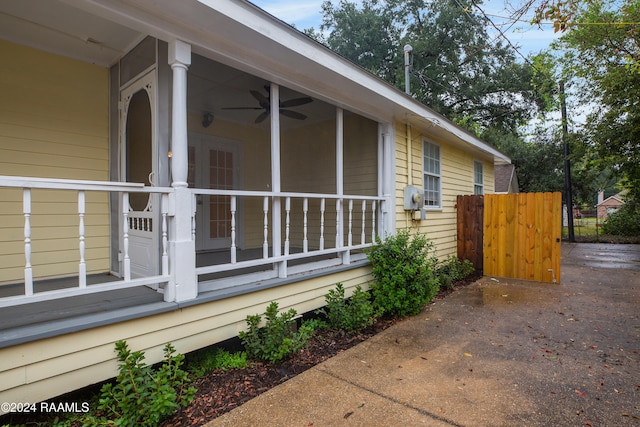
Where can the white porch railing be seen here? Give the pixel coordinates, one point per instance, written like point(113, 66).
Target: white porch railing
point(353, 220)
point(284, 227)
point(132, 222)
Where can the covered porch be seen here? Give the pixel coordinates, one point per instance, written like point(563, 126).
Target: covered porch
point(206, 193)
point(159, 185)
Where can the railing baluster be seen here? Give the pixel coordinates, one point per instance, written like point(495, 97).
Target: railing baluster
point(305, 209)
point(28, 273)
point(233, 229)
point(165, 253)
point(125, 237)
point(373, 221)
point(350, 234)
point(364, 214)
point(322, 205)
point(339, 241)
point(82, 268)
point(265, 245)
point(287, 209)
point(194, 208)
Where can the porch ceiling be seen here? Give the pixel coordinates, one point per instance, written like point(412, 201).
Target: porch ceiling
point(58, 27)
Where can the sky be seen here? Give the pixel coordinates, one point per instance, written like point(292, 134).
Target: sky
point(529, 38)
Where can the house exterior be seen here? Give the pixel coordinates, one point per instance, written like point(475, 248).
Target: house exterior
point(150, 192)
point(611, 204)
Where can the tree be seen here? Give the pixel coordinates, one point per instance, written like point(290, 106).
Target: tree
point(539, 163)
point(568, 15)
point(457, 69)
point(599, 55)
point(368, 36)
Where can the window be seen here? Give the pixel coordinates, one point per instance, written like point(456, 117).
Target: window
point(431, 169)
point(478, 178)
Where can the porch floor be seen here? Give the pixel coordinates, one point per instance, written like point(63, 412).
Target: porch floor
point(38, 320)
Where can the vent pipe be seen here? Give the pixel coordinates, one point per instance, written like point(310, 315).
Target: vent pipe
point(407, 65)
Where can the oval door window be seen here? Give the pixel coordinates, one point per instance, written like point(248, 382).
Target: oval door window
point(138, 146)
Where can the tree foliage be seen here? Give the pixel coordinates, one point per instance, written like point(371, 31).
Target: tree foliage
point(539, 163)
point(457, 69)
point(603, 58)
point(369, 35)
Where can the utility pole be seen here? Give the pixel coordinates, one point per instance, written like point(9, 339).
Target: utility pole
point(567, 162)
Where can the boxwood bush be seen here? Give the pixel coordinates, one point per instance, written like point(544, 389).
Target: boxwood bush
point(348, 314)
point(403, 266)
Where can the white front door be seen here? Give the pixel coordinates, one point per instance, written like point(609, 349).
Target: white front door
point(139, 164)
point(214, 163)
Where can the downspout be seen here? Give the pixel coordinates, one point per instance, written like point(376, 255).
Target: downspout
point(409, 167)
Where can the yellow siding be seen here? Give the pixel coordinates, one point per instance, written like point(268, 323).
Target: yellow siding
point(53, 124)
point(47, 368)
point(456, 178)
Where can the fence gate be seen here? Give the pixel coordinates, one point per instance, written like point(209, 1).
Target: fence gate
point(470, 229)
point(522, 236)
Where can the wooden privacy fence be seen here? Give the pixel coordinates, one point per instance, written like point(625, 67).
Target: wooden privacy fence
point(519, 235)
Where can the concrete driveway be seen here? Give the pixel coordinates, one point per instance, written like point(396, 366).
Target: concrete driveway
point(499, 352)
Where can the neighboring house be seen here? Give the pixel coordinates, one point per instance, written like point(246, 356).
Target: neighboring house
point(506, 179)
point(170, 167)
point(606, 207)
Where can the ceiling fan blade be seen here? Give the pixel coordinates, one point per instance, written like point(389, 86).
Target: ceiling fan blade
point(262, 117)
point(262, 100)
point(295, 102)
point(293, 114)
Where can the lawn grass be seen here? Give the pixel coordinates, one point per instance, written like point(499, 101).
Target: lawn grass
point(589, 230)
point(585, 227)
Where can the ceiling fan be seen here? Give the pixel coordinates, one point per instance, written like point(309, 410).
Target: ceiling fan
point(264, 103)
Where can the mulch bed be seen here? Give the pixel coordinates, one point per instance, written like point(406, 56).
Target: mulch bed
point(222, 391)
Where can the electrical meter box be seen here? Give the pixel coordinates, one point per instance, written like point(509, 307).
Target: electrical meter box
point(412, 198)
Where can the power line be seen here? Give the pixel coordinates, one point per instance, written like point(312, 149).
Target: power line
point(510, 19)
point(502, 34)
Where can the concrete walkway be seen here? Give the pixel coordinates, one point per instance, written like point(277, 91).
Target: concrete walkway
point(499, 352)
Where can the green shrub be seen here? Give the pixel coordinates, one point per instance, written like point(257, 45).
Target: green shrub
point(142, 396)
point(278, 338)
point(315, 324)
point(350, 315)
point(453, 270)
point(404, 273)
point(624, 222)
point(205, 361)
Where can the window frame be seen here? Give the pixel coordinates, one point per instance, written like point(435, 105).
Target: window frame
point(478, 186)
point(437, 176)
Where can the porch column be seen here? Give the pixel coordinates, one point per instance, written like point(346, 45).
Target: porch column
point(183, 284)
point(387, 184)
point(179, 59)
point(276, 186)
point(346, 255)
